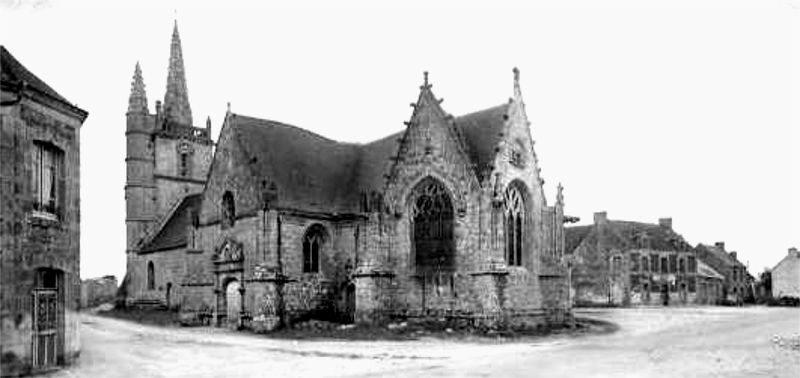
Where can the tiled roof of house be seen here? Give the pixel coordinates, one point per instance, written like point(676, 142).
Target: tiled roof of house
point(626, 235)
point(173, 232)
point(12, 71)
point(720, 254)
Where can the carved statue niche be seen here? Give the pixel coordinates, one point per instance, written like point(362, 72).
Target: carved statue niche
point(229, 251)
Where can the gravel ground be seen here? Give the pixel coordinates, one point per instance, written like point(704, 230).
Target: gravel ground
point(651, 342)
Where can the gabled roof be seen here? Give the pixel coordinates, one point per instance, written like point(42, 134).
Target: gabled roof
point(315, 173)
point(311, 172)
point(626, 235)
point(13, 73)
point(173, 232)
point(720, 254)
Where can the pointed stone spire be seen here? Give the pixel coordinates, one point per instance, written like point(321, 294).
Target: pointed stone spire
point(137, 103)
point(176, 101)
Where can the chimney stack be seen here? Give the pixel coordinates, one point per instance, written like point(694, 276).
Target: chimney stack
point(665, 223)
point(794, 252)
point(720, 245)
point(733, 254)
point(600, 217)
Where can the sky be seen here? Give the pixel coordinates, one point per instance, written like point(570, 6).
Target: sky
point(642, 109)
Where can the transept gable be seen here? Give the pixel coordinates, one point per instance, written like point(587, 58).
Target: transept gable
point(431, 145)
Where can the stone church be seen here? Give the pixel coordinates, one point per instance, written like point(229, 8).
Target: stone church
point(274, 224)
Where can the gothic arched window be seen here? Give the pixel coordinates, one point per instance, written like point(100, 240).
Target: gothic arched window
point(312, 244)
point(228, 210)
point(514, 225)
point(151, 276)
point(432, 212)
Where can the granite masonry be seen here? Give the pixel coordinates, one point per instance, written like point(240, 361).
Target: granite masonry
point(446, 219)
point(39, 223)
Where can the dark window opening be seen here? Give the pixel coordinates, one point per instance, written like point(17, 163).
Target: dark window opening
point(664, 266)
point(312, 243)
point(634, 262)
point(151, 276)
point(673, 263)
point(514, 226)
point(434, 244)
point(228, 210)
point(48, 179)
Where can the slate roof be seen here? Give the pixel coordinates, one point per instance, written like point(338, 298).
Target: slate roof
point(12, 71)
point(173, 233)
point(482, 131)
point(626, 235)
point(720, 254)
point(314, 173)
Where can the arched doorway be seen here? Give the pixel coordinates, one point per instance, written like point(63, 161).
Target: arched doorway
point(233, 302)
point(432, 216)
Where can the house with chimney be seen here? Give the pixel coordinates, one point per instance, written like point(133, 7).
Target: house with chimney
point(786, 276)
point(737, 286)
point(626, 263)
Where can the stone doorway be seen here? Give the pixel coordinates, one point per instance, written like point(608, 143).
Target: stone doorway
point(233, 303)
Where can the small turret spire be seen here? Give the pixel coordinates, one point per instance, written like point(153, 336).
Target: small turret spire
point(138, 99)
point(176, 100)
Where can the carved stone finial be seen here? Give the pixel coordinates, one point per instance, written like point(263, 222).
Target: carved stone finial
point(229, 106)
point(560, 194)
point(426, 78)
point(516, 75)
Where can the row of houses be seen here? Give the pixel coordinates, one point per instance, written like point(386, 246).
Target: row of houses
point(625, 263)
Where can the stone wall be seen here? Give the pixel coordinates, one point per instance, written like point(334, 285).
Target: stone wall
point(30, 241)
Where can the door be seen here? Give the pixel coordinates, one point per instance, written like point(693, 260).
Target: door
point(233, 299)
point(45, 328)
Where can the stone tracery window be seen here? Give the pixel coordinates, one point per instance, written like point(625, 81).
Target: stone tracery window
point(432, 212)
point(312, 244)
point(514, 225)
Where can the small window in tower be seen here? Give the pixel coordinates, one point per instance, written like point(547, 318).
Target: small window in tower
point(184, 169)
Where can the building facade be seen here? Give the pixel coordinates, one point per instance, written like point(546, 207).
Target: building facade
point(445, 219)
point(631, 263)
point(39, 223)
point(738, 284)
point(786, 276)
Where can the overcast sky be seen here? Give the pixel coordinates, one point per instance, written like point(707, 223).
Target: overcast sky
point(644, 109)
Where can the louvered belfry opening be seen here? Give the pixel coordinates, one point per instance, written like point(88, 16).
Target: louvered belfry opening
point(434, 244)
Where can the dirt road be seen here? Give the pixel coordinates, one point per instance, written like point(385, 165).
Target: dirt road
point(654, 342)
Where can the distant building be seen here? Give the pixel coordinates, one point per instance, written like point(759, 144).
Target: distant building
point(632, 263)
point(786, 276)
point(738, 285)
point(96, 291)
point(446, 218)
point(39, 222)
